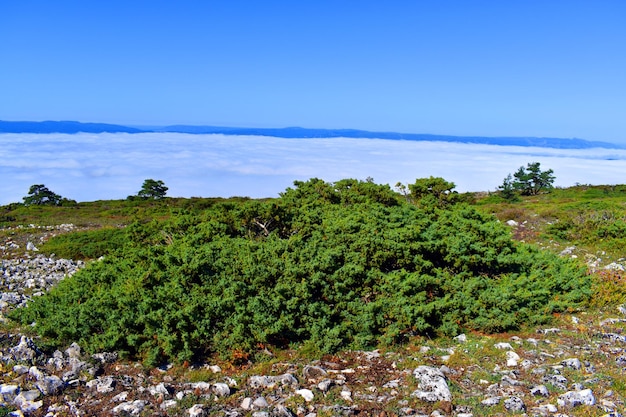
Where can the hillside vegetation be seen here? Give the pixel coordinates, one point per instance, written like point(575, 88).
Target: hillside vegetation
point(325, 267)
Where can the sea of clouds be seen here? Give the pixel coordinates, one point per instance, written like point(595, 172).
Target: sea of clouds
point(89, 167)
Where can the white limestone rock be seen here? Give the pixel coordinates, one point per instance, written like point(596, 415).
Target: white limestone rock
point(432, 385)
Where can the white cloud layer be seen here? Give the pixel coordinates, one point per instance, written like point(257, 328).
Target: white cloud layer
point(89, 167)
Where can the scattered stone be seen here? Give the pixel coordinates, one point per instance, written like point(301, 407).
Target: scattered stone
point(260, 402)
point(25, 351)
point(572, 363)
point(50, 385)
point(614, 337)
point(307, 394)
point(575, 398)
point(462, 338)
point(20, 369)
point(30, 395)
point(394, 383)
point(346, 395)
point(508, 380)
point(314, 372)
point(282, 411)
point(540, 390)
point(26, 401)
point(432, 385)
point(614, 266)
point(548, 331)
point(491, 401)
point(246, 404)
point(511, 359)
point(168, 404)
point(133, 408)
point(74, 351)
point(197, 410)
point(532, 341)
point(122, 396)
point(230, 381)
point(201, 386)
point(102, 384)
point(272, 381)
point(514, 404)
point(36, 373)
point(8, 392)
point(545, 409)
point(105, 357)
point(220, 389)
point(325, 385)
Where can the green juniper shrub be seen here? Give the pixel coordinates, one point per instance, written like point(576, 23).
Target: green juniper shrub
point(326, 266)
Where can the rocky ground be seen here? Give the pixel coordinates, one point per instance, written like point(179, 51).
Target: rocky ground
point(576, 367)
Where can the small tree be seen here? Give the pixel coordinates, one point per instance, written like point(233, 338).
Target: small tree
point(40, 195)
point(507, 190)
point(402, 189)
point(152, 190)
point(433, 190)
point(532, 180)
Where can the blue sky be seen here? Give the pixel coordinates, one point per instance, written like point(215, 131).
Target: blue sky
point(492, 68)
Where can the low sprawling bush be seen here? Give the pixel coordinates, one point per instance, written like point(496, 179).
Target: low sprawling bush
point(86, 244)
point(328, 266)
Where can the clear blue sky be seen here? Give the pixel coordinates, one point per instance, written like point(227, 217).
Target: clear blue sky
point(493, 68)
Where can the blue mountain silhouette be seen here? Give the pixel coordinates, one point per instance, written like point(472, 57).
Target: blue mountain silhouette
point(297, 132)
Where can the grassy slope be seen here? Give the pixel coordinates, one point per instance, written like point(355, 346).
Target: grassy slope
point(588, 217)
point(592, 218)
point(16, 220)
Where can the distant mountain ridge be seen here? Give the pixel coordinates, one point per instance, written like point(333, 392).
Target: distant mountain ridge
point(63, 127)
point(71, 127)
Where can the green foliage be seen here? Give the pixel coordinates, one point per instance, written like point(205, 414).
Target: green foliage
point(328, 266)
point(597, 224)
point(6, 410)
point(591, 218)
point(507, 189)
point(86, 244)
point(111, 213)
point(532, 180)
point(433, 191)
point(152, 190)
point(40, 195)
point(609, 288)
